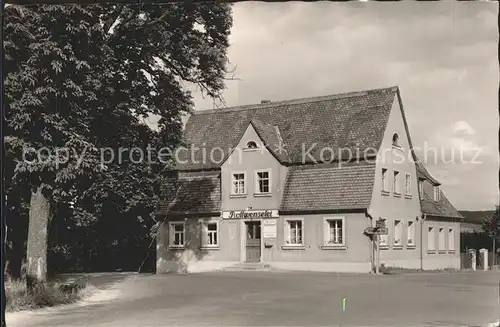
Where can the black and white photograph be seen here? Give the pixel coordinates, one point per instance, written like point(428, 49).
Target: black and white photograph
point(250, 163)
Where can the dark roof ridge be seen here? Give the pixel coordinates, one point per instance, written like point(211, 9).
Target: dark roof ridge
point(294, 101)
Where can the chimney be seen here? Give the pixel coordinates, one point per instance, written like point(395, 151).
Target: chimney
point(265, 101)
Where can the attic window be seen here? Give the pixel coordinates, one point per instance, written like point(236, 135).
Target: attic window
point(252, 145)
point(437, 193)
point(395, 140)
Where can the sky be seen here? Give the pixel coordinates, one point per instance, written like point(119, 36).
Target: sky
point(442, 55)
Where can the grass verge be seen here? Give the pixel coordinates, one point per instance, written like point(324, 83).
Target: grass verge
point(47, 295)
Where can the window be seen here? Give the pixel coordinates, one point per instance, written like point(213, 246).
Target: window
point(395, 186)
point(431, 239)
point(451, 239)
point(421, 189)
point(410, 233)
point(441, 239)
point(407, 184)
point(384, 239)
point(437, 193)
point(210, 231)
point(294, 232)
point(395, 140)
point(238, 183)
point(385, 187)
point(398, 233)
point(334, 231)
point(252, 145)
point(176, 234)
point(263, 182)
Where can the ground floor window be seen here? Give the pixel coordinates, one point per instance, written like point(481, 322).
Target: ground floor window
point(451, 239)
point(442, 246)
point(398, 233)
point(177, 233)
point(334, 231)
point(431, 239)
point(210, 233)
point(294, 232)
point(411, 234)
point(383, 239)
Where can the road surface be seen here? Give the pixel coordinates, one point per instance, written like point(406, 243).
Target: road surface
point(283, 299)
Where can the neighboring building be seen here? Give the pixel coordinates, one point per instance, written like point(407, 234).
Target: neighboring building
point(288, 197)
point(473, 220)
point(441, 225)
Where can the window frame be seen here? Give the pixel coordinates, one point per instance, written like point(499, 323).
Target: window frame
point(421, 188)
point(286, 233)
point(244, 184)
point(172, 233)
point(385, 182)
point(441, 240)
point(256, 179)
point(204, 233)
point(396, 143)
point(395, 228)
point(385, 245)
point(437, 193)
point(247, 148)
point(433, 249)
point(410, 234)
point(452, 230)
point(395, 183)
point(408, 185)
point(326, 232)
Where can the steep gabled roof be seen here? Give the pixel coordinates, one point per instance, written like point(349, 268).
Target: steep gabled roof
point(422, 173)
point(271, 137)
point(194, 192)
point(354, 121)
point(441, 208)
point(329, 187)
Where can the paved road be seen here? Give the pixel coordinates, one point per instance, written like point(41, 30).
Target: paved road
point(286, 299)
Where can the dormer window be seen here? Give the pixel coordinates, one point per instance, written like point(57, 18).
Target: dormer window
point(437, 193)
point(395, 140)
point(252, 145)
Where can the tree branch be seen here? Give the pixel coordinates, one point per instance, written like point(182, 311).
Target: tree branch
point(112, 20)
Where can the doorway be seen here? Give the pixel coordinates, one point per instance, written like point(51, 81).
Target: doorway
point(252, 241)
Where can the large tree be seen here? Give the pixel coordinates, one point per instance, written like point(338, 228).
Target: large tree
point(82, 78)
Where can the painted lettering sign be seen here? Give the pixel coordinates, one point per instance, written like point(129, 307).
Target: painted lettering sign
point(249, 214)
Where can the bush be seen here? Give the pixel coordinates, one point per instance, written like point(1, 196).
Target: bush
point(43, 295)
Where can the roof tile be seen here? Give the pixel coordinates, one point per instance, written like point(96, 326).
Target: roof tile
point(329, 187)
point(353, 121)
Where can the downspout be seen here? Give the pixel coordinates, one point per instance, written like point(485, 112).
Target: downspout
point(424, 216)
point(372, 245)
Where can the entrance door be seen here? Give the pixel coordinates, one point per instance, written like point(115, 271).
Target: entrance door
point(253, 241)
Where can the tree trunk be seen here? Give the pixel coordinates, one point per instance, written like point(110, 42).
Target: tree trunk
point(36, 254)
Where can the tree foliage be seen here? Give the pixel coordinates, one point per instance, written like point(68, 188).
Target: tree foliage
point(491, 225)
point(79, 79)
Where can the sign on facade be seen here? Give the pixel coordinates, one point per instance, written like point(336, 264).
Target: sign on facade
point(381, 231)
point(270, 228)
point(381, 223)
point(250, 214)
